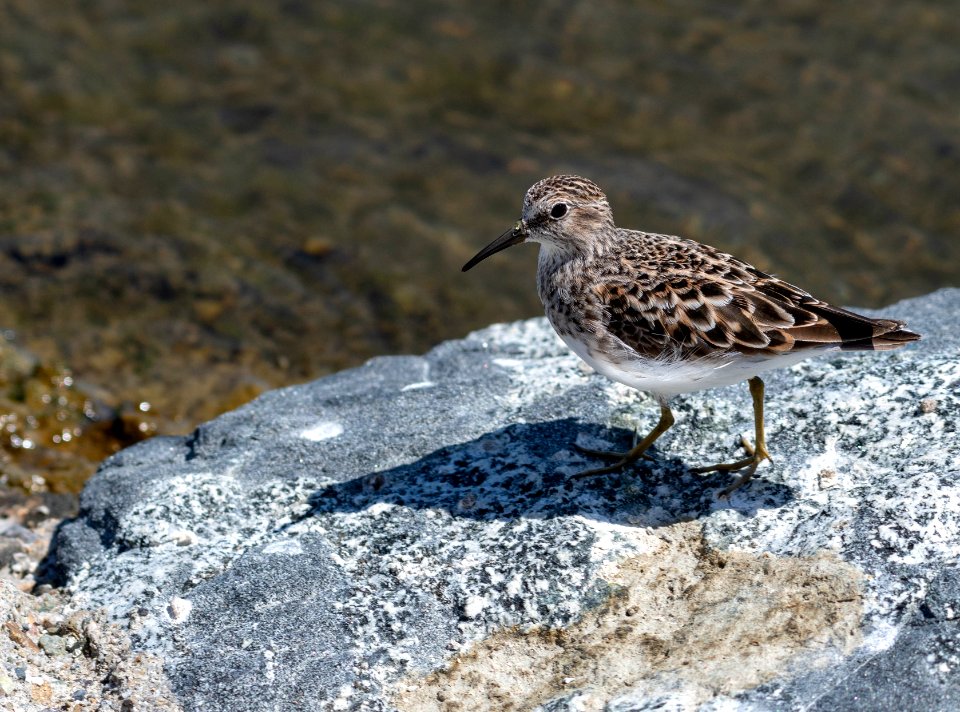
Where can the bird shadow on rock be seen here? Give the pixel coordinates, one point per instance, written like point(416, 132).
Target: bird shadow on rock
point(525, 471)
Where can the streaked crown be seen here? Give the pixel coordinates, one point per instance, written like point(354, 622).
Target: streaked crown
point(575, 189)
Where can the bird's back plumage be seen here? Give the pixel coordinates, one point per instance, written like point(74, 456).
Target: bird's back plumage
point(645, 300)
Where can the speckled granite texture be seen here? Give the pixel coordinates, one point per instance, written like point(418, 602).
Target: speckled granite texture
point(406, 535)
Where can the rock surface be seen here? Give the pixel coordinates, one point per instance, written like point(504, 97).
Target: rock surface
point(406, 535)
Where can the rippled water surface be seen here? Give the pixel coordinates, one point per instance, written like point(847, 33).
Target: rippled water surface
point(201, 201)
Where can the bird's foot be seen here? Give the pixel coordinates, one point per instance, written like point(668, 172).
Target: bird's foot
point(749, 464)
point(633, 454)
point(622, 460)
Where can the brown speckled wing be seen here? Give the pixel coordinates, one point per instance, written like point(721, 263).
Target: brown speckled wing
point(686, 299)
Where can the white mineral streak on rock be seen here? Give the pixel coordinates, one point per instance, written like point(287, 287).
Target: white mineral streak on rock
point(324, 430)
point(474, 606)
point(288, 547)
point(417, 386)
point(179, 610)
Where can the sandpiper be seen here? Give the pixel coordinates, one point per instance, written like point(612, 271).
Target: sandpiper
point(667, 315)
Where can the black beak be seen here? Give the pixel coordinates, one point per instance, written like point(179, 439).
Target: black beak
point(508, 239)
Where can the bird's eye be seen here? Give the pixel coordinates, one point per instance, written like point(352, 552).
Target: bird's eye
point(558, 211)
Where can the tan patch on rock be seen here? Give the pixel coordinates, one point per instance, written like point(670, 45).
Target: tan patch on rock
point(41, 693)
point(19, 637)
point(682, 618)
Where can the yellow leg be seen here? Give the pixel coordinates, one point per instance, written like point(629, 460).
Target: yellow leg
point(635, 453)
point(757, 455)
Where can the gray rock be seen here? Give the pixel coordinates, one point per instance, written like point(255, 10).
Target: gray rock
point(53, 644)
point(406, 535)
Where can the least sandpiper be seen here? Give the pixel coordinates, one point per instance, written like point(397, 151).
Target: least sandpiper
point(667, 315)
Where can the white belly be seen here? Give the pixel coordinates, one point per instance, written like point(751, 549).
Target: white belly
point(666, 378)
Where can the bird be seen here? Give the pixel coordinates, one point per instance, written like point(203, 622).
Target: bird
point(668, 315)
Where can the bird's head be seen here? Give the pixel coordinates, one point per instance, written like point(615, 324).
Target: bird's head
point(563, 213)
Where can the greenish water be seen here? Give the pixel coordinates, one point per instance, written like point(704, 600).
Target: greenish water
point(200, 201)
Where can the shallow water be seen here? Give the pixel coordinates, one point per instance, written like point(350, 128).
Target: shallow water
point(199, 203)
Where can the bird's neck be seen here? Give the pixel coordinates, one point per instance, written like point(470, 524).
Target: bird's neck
point(558, 270)
point(554, 255)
